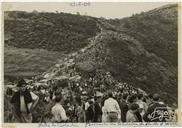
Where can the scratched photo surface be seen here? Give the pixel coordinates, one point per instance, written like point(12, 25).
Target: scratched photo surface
point(84, 62)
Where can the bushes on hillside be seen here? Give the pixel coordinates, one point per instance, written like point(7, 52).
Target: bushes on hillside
point(51, 31)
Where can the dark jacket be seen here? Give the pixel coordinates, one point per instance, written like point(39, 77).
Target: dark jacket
point(16, 101)
point(139, 117)
point(154, 111)
point(124, 110)
point(90, 114)
point(98, 112)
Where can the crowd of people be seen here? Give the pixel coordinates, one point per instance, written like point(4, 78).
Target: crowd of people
point(84, 96)
point(99, 98)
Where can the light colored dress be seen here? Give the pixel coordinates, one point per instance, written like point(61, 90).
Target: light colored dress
point(104, 115)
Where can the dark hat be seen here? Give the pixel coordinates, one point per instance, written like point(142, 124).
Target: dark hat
point(156, 97)
point(132, 98)
point(110, 94)
point(140, 96)
point(134, 107)
point(90, 102)
point(150, 95)
point(21, 82)
point(125, 95)
point(58, 99)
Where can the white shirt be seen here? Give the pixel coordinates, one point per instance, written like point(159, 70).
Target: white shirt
point(22, 102)
point(34, 98)
point(86, 106)
point(59, 113)
point(22, 105)
point(104, 115)
point(111, 105)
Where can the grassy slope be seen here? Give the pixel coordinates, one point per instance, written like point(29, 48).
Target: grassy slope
point(156, 30)
point(26, 33)
point(19, 62)
point(140, 55)
point(50, 31)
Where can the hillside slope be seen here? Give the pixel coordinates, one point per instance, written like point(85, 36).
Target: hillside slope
point(140, 50)
point(36, 41)
point(50, 31)
point(22, 62)
point(156, 30)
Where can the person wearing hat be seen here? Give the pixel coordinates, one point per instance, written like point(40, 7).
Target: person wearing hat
point(23, 102)
point(156, 112)
point(133, 114)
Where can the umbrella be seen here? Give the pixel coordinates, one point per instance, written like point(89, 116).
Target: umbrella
point(61, 78)
point(48, 76)
point(84, 92)
point(69, 64)
point(61, 83)
point(28, 81)
point(10, 86)
point(99, 94)
point(44, 80)
point(40, 84)
point(57, 65)
point(77, 77)
point(85, 66)
point(71, 60)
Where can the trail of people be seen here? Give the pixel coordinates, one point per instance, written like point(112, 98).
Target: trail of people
point(67, 95)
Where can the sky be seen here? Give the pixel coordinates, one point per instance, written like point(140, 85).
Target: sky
point(106, 9)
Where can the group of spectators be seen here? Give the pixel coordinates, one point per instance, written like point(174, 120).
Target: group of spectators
point(96, 99)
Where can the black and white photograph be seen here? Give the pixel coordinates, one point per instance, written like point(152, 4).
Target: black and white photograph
point(90, 62)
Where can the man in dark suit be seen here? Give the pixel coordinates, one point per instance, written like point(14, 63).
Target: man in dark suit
point(90, 112)
point(123, 107)
point(23, 102)
point(98, 109)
